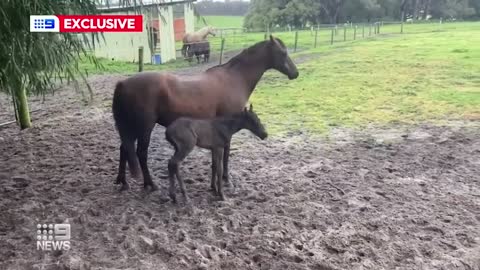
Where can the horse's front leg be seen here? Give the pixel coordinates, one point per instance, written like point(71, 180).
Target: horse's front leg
point(226, 155)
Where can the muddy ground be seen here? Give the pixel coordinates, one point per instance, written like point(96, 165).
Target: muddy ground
point(391, 198)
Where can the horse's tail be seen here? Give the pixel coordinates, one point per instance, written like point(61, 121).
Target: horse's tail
point(123, 123)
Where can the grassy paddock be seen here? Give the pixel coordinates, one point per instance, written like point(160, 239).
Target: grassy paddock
point(427, 77)
point(221, 21)
point(430, 73)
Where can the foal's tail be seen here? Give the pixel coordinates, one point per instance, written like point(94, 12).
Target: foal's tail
point(125, 129)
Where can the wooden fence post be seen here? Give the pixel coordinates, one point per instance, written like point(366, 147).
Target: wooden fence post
point(355, 32)
point(333, 34)
point(140, 59)
point(363, 30)
point(369, 29)
point(296, 41)
point(344, 33)
point(403, 19)
point(316, 36)
point(222, 46)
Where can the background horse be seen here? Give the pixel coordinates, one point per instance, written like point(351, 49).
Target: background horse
point(194, 37)
point(141, 101)
point(198, 49)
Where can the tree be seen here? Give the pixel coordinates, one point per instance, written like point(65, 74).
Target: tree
point(454, 9)
point(332, 9)
point(264, 13)
point(231, 8)
point(31, 63)
point(360, 10)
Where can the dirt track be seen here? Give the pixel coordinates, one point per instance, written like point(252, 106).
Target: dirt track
point(403, 198)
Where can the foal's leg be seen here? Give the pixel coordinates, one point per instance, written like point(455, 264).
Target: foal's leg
point(213, 182)
point(226, 155)
point(181, 153)
point(219, 161)
point(172, 168)
point(142, 153)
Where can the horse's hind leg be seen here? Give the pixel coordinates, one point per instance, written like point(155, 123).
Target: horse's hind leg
point(126, 148)
point(142, 153)
point(123, 165)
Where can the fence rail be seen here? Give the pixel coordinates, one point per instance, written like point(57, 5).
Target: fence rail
point(230, 41)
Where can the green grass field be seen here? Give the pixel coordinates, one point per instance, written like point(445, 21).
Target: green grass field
point(411, 78)
point(429, 74)
point(221, 21)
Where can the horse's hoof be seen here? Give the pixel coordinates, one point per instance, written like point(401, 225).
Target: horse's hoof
point(125, 187)
point(152, 186)
point(119, 181)
point(222, 197)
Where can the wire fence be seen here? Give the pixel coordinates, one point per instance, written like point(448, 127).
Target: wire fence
point(230, 41)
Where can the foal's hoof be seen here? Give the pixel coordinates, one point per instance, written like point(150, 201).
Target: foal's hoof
point(152, 186)
point(125, 187)
point(227, 181)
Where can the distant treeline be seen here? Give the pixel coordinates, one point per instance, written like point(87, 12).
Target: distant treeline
point(299, 13)
point(227, 8)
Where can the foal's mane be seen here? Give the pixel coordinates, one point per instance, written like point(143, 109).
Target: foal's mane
point(247, 53)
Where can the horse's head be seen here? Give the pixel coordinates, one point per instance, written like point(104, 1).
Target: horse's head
point(280, 59)
point(252, 123)
point(211, 31)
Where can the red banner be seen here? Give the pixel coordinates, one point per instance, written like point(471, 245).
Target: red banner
point(101, 23)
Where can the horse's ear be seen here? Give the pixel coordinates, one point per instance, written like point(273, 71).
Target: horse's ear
point(272, 39)
point(251, 107)
point(245, 109)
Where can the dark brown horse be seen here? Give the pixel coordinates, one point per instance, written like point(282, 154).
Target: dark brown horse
point(141, 101)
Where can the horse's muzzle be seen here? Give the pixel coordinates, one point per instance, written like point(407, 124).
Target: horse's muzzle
point(293, 76)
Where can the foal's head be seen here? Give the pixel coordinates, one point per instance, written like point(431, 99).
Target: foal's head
point(280, 59)
point(252, 123)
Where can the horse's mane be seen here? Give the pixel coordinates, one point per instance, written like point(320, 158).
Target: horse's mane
point(247, 53)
